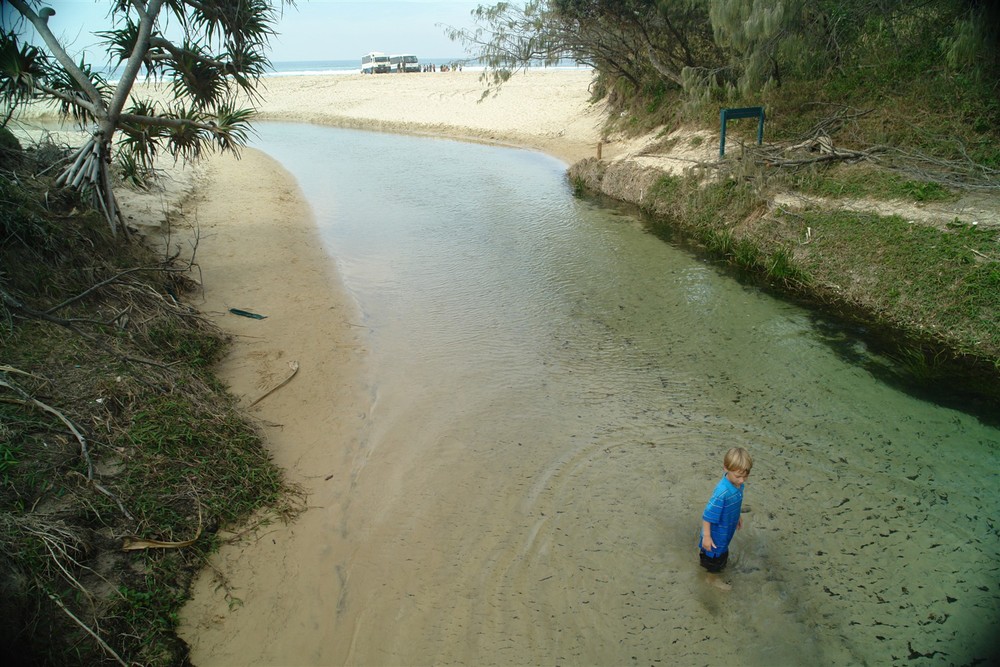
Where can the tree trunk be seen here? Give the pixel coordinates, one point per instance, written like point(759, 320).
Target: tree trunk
point(105, 191)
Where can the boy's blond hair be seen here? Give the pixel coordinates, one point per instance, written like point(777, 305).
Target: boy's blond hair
point(738, 460)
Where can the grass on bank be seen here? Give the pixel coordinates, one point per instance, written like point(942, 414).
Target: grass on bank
point(161, 450)
point(865, 182)
point(946, 282)
point(924, 131)
point(929, 296)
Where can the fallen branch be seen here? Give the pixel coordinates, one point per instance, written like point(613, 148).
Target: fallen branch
point(60, 542)
point(955, 173)
point(984, 256)
point(100, 489)
point(18, 371)
point(103, 644)
point(16, 305)
point(30, 400)
point(294, 365)
point(826, 157)
point(114, 278)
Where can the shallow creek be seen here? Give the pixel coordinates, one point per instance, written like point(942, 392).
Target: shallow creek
point(552, 389)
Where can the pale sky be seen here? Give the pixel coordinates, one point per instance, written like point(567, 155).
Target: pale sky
point(312, 30)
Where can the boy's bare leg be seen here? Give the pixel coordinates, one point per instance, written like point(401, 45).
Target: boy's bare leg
point(717, 581)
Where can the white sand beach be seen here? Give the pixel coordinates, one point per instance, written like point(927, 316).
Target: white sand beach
point(548, 110)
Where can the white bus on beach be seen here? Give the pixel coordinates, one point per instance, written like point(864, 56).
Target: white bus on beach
point(404, 63)
point(374, 63)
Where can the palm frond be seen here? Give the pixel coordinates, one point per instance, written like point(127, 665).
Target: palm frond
point(141, 142)
point(185, 140)
point(233, 128)
point(238, 22)
point(121, 43)
point(20, 66)
point(195, 75)
point(62, 81)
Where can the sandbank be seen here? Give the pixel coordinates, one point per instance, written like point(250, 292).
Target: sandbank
point(549, 110)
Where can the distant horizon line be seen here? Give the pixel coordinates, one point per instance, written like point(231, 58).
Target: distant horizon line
point(358, 58)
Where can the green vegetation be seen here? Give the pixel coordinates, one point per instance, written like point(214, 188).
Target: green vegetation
point(713, 214)
point(111, 423)
point(858, 182)
point(215, 51)
point(866, 102)
point(944, 281)
point(112, 427)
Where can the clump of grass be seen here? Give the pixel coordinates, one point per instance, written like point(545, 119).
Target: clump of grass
point(179, 439)
point(200, 347)
point(937, 288)
point(719, 242)
point(780, 266)
point(942, 282)
point(864, 182)
point(776, 267)
point(667, 188)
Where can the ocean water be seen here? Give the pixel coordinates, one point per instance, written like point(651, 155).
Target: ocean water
point(352, 66)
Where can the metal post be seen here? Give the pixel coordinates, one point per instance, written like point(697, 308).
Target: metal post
point(722, 132)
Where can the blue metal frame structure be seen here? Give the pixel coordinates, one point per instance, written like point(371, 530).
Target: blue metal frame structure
point(741, 112)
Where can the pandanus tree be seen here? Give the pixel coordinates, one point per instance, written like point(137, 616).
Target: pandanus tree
point(208, 54)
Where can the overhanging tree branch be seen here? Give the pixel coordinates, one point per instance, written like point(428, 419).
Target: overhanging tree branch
point(41, 25)
point(220, 50)
point(127, 80)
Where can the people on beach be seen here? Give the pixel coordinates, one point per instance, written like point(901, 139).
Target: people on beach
point(721, 518)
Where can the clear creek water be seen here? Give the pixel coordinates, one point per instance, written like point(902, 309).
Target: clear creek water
point(553, 389)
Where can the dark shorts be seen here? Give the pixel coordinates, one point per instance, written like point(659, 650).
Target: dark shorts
point(713, 563)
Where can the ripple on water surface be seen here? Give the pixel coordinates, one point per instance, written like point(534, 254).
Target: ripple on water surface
point(556, 389)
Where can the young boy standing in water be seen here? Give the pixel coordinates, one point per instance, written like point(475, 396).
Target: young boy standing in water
point(721, 518)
